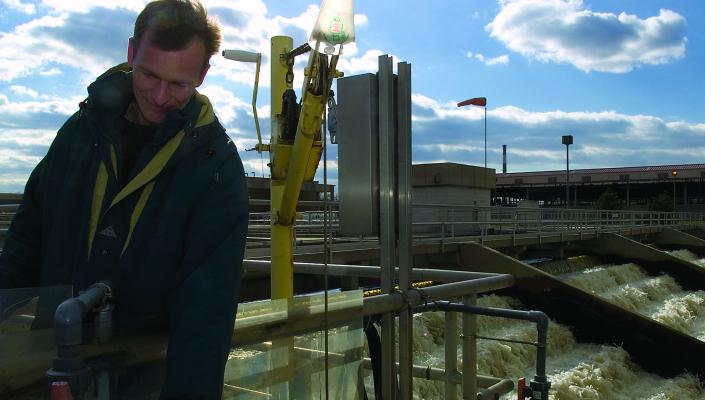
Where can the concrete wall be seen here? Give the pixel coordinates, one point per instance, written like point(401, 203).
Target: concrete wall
point(449, 195)
point(437, 174)
point(451, 184)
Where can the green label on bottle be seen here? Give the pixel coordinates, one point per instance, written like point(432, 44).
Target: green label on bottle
point(336, 31)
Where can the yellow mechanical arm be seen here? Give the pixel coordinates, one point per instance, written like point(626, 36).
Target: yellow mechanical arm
point(293, 162)
point(295, 154)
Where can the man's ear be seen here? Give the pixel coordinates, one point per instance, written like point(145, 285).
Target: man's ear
point(130, 51)
point(203, 75)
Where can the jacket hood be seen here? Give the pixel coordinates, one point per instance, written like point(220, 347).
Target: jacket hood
point(112, 93)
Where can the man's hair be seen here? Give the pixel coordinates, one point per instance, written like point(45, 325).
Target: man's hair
point(175, 23)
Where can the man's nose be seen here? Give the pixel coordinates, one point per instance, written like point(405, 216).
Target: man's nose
point(160, 93)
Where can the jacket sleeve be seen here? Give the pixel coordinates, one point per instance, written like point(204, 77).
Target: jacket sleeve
point(202, 308)
point(20, 259)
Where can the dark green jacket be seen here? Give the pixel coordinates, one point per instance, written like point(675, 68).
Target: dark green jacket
point(171, 240)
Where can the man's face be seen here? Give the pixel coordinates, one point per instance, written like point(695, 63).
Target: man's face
point(164, 80)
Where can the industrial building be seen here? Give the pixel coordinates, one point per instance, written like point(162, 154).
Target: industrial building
point(636, 187)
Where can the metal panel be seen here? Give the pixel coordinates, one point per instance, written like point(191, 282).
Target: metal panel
point(404, 213)
point(358, 181)
point(387, 216)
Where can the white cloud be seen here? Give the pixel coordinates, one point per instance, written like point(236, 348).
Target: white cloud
point(39, 46)
point(443, 132)
point(425, 101)
point(20, 6)
point(499, 60)
point(25, 91)
point(537, 154)
point(12, 161)
point(17, 138)
point(449, 148)
point(12, 182)
point(226, 104)
point(565, 31)
point(49, 72)
point(84, 6)
point(368, 62)
point(41, 104)
point(360, 20)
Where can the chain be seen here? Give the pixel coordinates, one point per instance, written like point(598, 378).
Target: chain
point(289, 71)
point(290, 61)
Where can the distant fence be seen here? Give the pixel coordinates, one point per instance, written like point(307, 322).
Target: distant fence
point(459, 220)
point(444, 220)
point(7, 212)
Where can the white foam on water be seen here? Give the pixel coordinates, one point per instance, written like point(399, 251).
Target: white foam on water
point(659, 298)
point(576, 370)
point(688, 256)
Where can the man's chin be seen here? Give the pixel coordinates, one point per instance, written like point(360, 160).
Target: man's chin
point(154, 118)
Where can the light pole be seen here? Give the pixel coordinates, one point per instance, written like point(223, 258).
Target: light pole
point(674, 174)
point(567, 140)
point(480, 102)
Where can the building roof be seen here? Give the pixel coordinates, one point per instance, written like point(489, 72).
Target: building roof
point(619, 170)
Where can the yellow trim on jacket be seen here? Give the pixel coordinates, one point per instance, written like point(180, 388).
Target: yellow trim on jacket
point(143, 179)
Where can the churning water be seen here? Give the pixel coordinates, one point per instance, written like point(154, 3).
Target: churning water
point(657, 297)
point(688, 256)
point(578, 370)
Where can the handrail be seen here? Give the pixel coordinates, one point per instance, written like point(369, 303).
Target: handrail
point(453, 220)
point(450, 220)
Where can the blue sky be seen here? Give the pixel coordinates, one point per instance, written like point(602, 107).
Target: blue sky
point(623, 77)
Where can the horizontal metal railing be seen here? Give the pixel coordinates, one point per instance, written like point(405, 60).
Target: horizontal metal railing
point(443, 220)
point(449, 221)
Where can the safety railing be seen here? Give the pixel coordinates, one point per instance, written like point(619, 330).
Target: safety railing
point(448, 221)
point(254, 327)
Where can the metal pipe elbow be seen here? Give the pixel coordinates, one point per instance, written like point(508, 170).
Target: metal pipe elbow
point(540, 318)
point(68, 318)
point(68, 321)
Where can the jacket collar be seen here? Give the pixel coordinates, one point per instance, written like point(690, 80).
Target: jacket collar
point(111, 94)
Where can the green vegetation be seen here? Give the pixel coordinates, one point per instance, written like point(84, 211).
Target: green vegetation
point(609, 200)
point(662, 202)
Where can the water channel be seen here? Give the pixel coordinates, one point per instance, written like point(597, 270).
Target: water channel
point(579, 370)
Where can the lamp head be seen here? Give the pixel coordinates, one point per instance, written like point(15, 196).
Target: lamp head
point(567, 139)
point(242, 56)
point(334, 27)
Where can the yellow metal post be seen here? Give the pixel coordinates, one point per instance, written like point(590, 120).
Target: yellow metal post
point(289, 163)
point(282, 278)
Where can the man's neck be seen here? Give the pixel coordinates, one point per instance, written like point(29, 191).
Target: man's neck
point(134, 115)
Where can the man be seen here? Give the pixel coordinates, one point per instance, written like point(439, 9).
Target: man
point(143, 188)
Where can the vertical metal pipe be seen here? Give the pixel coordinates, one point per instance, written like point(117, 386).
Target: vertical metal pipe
point(469, 350)
point(504, 158)
point(451, 354)
point(406, 333)
point(485, 107)
point(567, 178)
point(387, 217)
